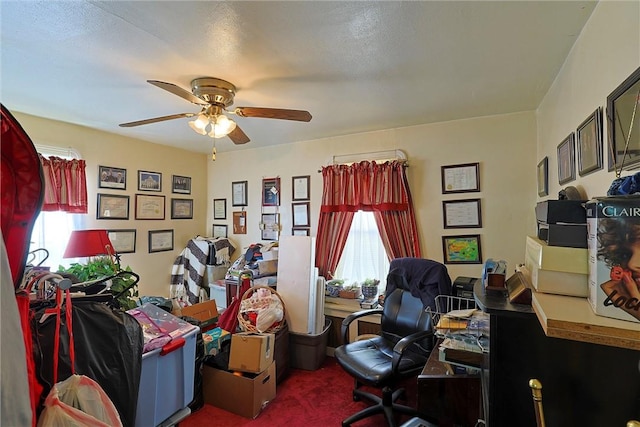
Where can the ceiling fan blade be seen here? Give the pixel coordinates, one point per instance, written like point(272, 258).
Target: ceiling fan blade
point(238, 136)
point(274, 113)
point(177, 90)
point(156, 120)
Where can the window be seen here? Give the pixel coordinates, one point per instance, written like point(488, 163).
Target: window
point(364, 256)
point(51, 230)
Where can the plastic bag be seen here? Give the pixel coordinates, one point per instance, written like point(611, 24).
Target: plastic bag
point(78, 401)
point(267, 317)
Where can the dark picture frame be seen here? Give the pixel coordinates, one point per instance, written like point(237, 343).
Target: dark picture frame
point(181, 208)
point(112, 206)
point(543, 177)
point(160, 240)
point(220, 230)
point(622, 106)
point(239, 193)
point(150, 207)
point(270, 226)
point(149, 181)
point(300, 188)
point(300, 232)
point(110, 177)
point(567, 159)
point(300, 214)
point(465, 213)
point(124, 241)
point(589, 143)
point(180, 184)
point(219, 208)
point(461, 178)
point(271, 191)
point(462, 249)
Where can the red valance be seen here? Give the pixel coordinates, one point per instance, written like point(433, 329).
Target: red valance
point(65, 185)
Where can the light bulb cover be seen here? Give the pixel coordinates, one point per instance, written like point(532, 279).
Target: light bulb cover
point(221, 126)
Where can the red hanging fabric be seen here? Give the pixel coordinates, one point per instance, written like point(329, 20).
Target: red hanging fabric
point(382, 188)
point(65, 185)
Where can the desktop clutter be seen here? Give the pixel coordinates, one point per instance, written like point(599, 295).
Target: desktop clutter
point(583, 249)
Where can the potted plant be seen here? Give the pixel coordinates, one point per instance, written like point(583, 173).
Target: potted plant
point(370, 288)
point(351, 291)
point(122, 284)
point(332, 287)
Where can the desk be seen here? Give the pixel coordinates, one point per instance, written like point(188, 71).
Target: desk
point(446, 398)
point(585, 383)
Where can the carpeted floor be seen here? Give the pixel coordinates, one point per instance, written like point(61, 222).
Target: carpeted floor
point(319, 398)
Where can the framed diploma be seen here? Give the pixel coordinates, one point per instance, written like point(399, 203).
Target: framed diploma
point(124, 241)
point(462, 213)
point(300, 214)
point(219, 208)
point(463, 178)
point(112, 207)
point(239, 193)
point(160, 240)
point(149, 207)
point(301, 187)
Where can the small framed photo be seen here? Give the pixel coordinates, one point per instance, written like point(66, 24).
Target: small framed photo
point(300, 214)
point(543, 177)
point(589, 143)
point(462, 249)
point(180, 184)
point(149, 181)
point(220, 230)
point(567, 160)
point(149, 207)
point(462, 213)
point(300, 187)
point(181, 208)
point(110, 177)
point(219, 208)
point(270, 226)
point(160, 240)
point(299, 231)
point(111, 206)
point(462, 178)
point(271, 192)
point(124, 241)
point(239, 193)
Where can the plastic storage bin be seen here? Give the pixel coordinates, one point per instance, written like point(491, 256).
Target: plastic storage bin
point(168, 373)
point(308, 351)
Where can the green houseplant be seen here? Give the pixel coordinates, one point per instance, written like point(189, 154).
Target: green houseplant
point(102, 267)
point(370, 288)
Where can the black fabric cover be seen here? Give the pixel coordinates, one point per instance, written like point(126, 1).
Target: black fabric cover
point(424, 278)
point(108, 345)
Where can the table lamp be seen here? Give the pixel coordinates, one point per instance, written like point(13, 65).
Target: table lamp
point(88, 243)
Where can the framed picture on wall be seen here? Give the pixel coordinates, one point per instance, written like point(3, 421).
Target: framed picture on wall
point(239, 193)
point(110, 177)
point(124, 241)
point(220, 230)
point(160, 240)
point(181, 184)
point(219, 208)
point(462, 249)
point(149, 207)
point(567, 160)
point(462, 178)
point(111, 206)
point(543, 177)
point(181, 208)
point(300, 187)
point(462, 213)
point(589, 143)
point(149, 181)
point(271, 192)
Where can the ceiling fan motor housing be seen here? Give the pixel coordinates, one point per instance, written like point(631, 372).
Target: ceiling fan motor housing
point(214, 91)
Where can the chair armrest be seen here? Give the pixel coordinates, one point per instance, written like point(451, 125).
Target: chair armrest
point(399, 348)
point(353, 316)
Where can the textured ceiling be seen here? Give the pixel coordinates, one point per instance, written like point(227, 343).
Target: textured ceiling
point(356, 66)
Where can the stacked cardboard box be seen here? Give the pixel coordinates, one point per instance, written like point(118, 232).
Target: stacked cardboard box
point(250, 383)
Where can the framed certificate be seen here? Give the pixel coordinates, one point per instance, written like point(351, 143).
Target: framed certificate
point(462, 213)
point(463, 178)
point(160, 240)
point(239, 193)
point(149, 207)
point(300, 214)
point(112, 207)
point(301, 187)
point(219, 208)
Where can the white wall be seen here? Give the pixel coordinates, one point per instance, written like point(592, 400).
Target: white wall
point(605, 54)
point(503, 145)
point(101, 148)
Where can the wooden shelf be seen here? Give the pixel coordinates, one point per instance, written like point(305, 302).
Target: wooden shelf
point(573, 318)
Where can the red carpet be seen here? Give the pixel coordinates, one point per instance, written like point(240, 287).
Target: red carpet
point(304, 398)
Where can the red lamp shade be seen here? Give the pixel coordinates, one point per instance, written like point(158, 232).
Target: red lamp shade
point(86, 243)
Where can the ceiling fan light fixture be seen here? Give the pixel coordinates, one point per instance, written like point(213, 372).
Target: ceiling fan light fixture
point(221, 126)
point(199, 125)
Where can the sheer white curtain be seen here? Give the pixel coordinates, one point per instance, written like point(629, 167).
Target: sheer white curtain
point(364, 256)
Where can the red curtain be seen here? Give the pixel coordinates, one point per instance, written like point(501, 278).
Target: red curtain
point(65, 185)
point(382, 188)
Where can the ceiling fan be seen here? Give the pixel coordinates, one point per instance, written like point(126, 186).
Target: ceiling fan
point(215, 96)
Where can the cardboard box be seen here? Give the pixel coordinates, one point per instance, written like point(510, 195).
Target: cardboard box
point(242, 395)
point(251, 352)
point(213, 340)
point(606, 290)
point(206, 312)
